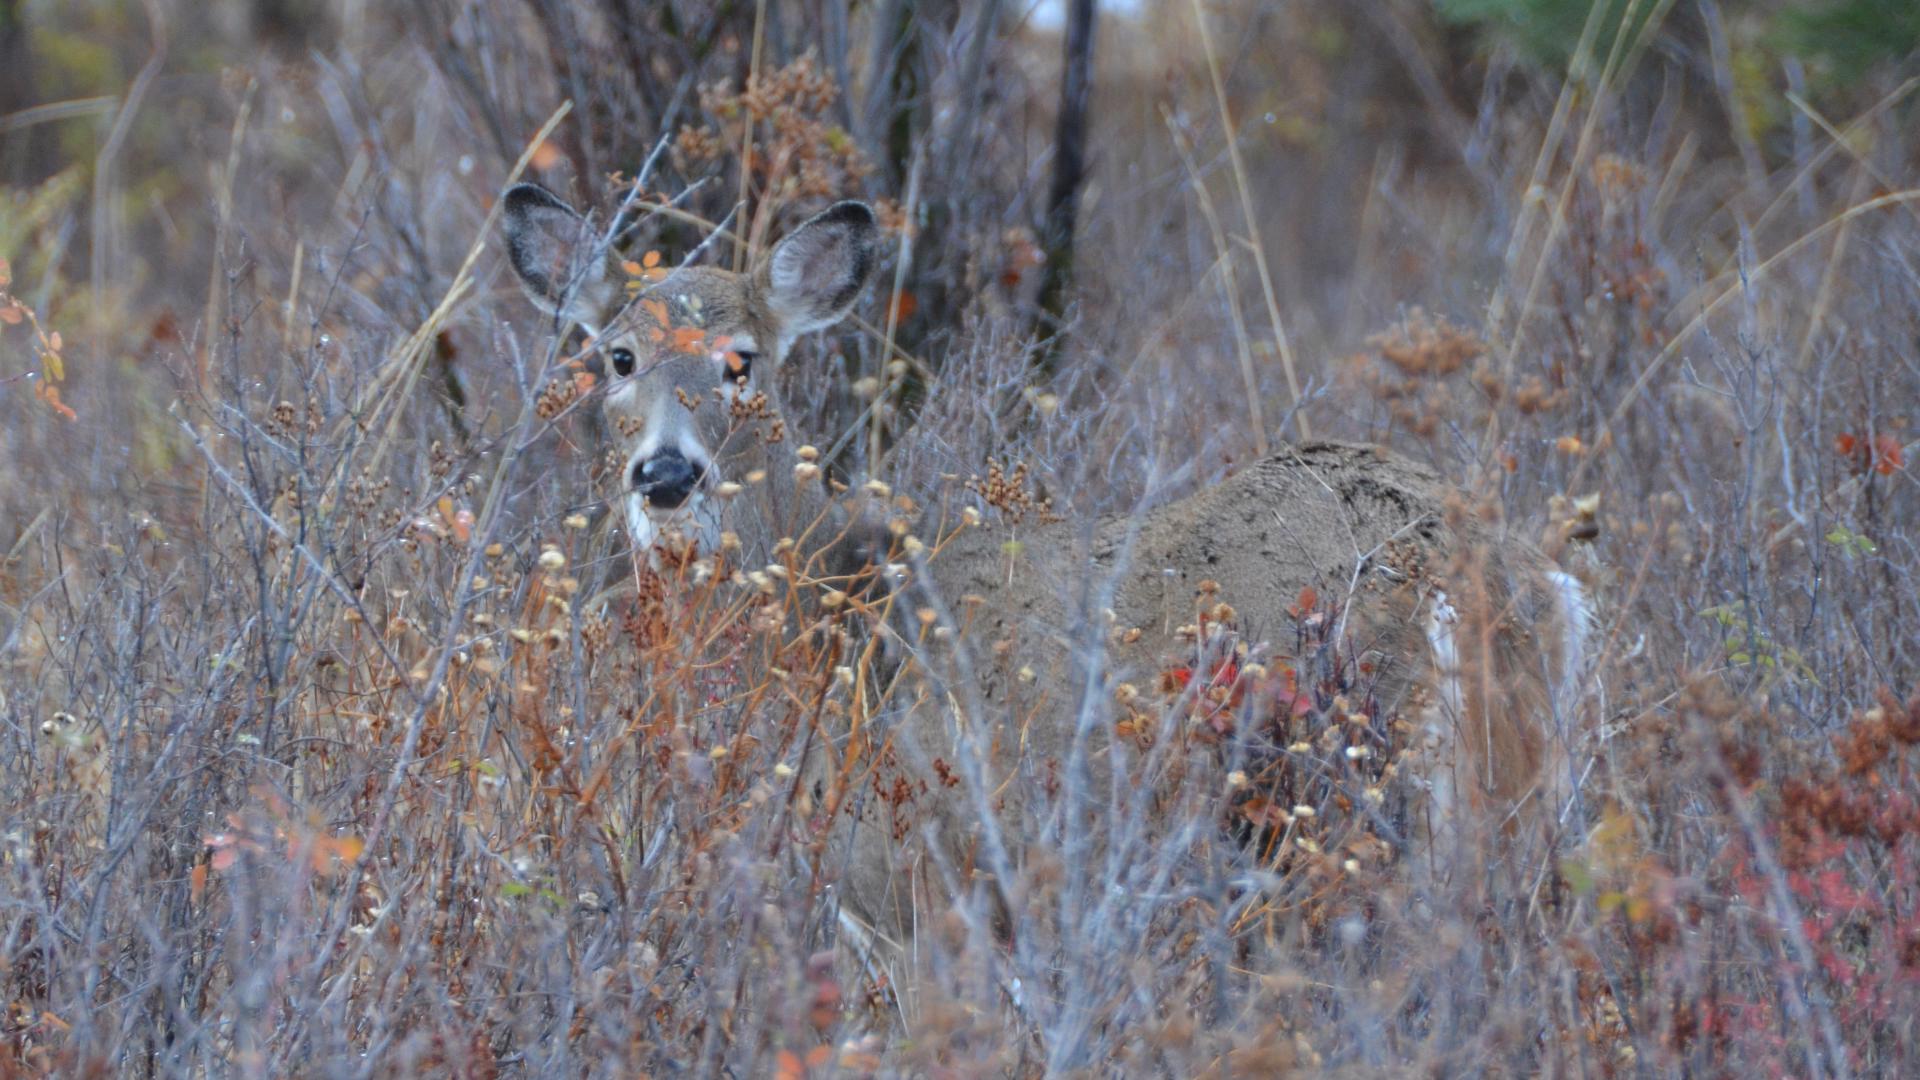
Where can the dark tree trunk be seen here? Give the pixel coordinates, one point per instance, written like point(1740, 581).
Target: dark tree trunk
point(25, 153)
point(1069, 159)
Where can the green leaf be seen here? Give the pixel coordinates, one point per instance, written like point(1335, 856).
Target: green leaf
point(1577, 875)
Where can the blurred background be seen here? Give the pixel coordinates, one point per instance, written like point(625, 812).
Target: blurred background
point(1226, 213)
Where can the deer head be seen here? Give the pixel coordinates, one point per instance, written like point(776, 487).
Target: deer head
point(690, 396)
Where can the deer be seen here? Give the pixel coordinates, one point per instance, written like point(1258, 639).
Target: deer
point(1487, 652)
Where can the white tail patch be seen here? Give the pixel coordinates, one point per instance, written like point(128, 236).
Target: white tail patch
point(1443, 717)
point(1576, 627)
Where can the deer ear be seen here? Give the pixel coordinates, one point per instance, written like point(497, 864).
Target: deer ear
point(551, 248)
point(817, 272)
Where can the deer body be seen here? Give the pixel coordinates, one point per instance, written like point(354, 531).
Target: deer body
point(1484, 666)
point(1481, 653)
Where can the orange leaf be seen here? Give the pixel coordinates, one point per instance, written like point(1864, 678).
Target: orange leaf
point(197, 882)
point(650, 260)
point(225, 851)
point(1304, 603)
point(326, 849)
point(631, 268)
point(6, 272)
point(656, 308)
point(1844, 444)
point(53, 400)
point(787, 1066)
point(690, 339)
point(546, 155)
point(1887, 454)
point(1568, 444)
point(904, 305)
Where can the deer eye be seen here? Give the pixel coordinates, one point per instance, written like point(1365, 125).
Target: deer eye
point(740, 363)
point(623, 362)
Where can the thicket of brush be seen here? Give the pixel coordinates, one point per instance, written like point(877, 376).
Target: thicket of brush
point(341, 735)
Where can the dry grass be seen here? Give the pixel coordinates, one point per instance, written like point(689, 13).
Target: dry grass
point(342, 736)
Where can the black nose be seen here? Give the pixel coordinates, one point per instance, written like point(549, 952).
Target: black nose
point(666, 478)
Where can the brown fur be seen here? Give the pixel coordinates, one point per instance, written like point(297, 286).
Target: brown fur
point(1362, 528)
point(1379, 537)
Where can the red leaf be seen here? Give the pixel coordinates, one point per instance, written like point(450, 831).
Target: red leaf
point(1295, 704)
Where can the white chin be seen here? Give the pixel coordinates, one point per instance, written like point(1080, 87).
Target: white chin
point(697, 519)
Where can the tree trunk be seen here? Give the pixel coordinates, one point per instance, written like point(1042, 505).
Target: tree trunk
point(25, 153)
point(1069, 163)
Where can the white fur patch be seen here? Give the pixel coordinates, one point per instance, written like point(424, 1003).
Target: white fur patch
point(1576, 627)
point(698, 517)
point(1445, 712)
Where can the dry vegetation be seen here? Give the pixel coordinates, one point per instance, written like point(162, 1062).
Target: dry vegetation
point(341, 736)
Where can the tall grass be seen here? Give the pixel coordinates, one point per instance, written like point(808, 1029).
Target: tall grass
point(342, 735)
